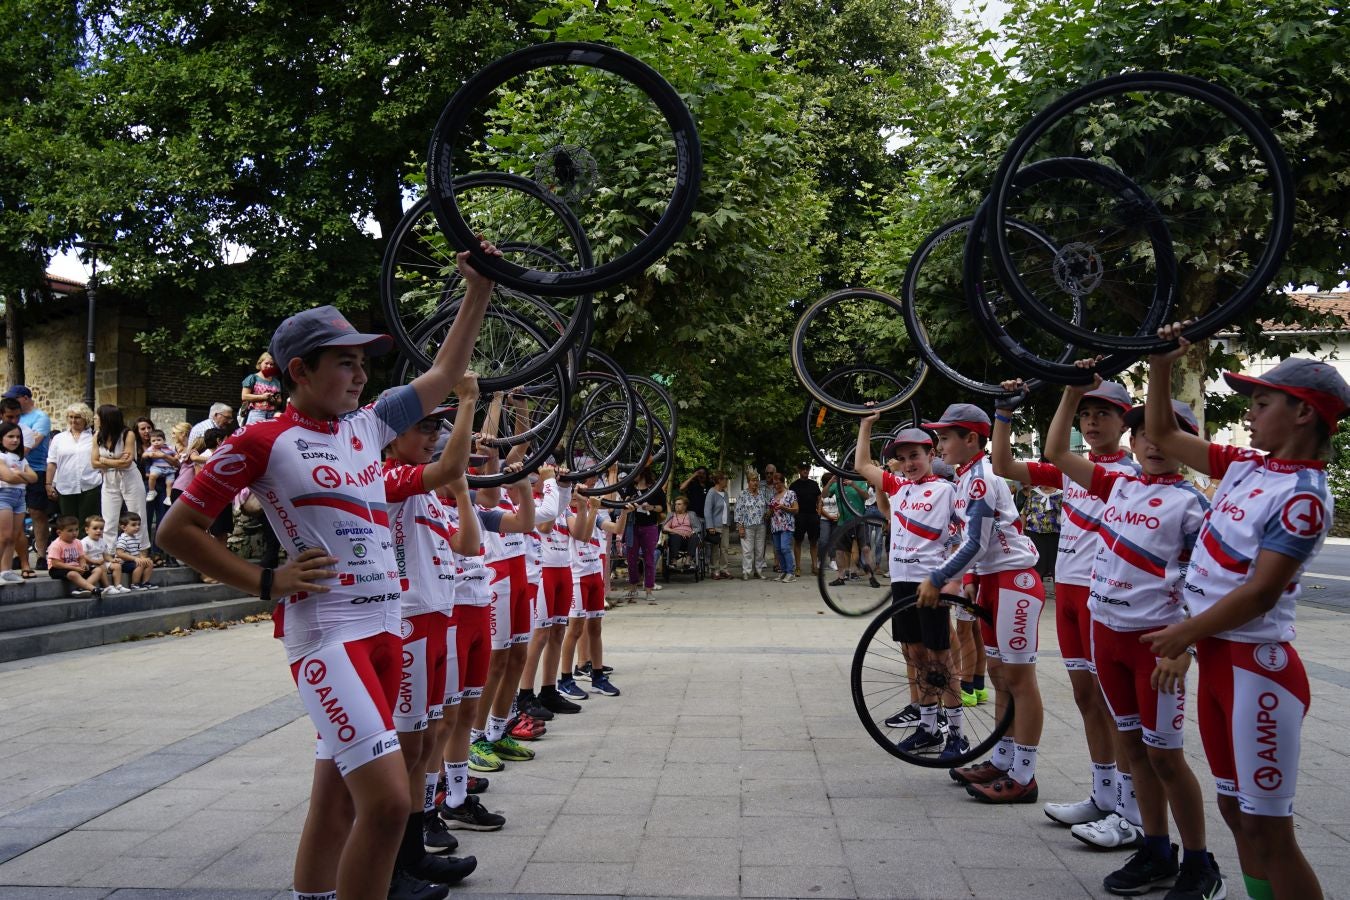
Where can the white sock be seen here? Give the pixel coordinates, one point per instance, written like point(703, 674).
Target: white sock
point(1129, 805)
point(456, 783)
point(1024, 769)
point(429, 797)
point(928, 718)
point(320, 895)
point(1104, 785)
point(475, 735)
point(1003, 753)
point(955, 717)
point(496, 727)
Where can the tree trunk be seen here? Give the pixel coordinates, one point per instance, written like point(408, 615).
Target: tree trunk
point(14, 336)
point(1188, 376)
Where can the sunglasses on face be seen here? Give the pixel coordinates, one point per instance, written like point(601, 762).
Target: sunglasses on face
point(428, 426)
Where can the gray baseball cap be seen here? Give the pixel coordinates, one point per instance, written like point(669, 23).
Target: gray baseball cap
point(1310, 380)
point(322, 326)
point(1185, 417)
point(1112, 392)
point(962, 415)
point(906, 436)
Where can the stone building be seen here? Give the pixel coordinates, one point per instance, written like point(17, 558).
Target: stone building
point(54, 334)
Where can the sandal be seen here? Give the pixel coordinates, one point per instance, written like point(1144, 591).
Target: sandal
point(29, 573)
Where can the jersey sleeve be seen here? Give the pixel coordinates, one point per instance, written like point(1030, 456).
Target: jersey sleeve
point(1103, 479)
point(1221, 456)
point(398, 409)
point(889, 483)
point(977, 533)
point(1192, 521)
point(233, 466)
point(1297, 528)
point(1045, 475)
point(402, 482)
point(490, 519)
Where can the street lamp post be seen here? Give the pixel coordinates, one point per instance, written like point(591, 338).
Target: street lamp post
point(91, 292)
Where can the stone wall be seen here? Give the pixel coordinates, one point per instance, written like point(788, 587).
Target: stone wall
point(54, 364)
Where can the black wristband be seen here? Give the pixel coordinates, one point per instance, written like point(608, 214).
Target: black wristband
point(265, 585)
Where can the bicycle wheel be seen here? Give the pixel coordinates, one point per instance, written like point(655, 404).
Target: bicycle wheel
point(420, 285)
point(936, 306)
point(832, 436)
point(591, 125)
point(1209, 166)
point(660, 460)
point(851, 327)
point(597, 440)
point(885, 678)
point(855, 596)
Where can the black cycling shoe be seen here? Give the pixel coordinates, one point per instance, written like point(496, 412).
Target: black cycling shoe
point(530, 706)
point(406, 887)
point(436, 838)
point(555, 702)
point(443, 869)
point(1142, 873)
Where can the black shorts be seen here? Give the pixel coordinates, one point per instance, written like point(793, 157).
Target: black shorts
point(915, 625)
point(36, 496)
point(807, 527)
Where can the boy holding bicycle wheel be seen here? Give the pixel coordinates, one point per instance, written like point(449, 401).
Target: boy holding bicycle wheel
point(1146, 532)
point(921, 509)
point(1109, 817)
point(1269, 518)
point(998, 562)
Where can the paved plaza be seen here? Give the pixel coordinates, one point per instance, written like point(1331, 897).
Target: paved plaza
point(732, 766)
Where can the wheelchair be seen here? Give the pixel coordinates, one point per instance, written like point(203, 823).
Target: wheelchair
point(694, 563)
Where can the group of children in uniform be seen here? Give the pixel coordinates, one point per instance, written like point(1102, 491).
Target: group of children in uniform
point(1149, 574)
point(414, 611)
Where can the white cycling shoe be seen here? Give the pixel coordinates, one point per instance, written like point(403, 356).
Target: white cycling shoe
point(1111, 833)
point(1079, 813)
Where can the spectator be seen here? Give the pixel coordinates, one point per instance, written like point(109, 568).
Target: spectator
point(808, 523)
point(40, 506)
point(161, 465)
point(751, 508)
point(114, 454)
point(261, 393)
point(715, 523)
point(143, 426)
point(783, 522)
point(1042, 524)
point(72, 481)
point(221, 416)
point(646, 532)
point(850, 498)
point(766, 491)
point(15, 476)
point(679, 531)
point(827, 507)
point(179, 438)
point(695, 489)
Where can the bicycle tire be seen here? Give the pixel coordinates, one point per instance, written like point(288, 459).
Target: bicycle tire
point(662, 452)
point(448, 152)
point(851, 600)
point(862, 350)
point(913, 287)
point(420, 283)
point(1273, 233)
point(605, 379)
point(877, 690)
point(831, 435)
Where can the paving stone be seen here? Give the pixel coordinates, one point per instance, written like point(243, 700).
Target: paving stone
point(796, 881)
point(686, 867)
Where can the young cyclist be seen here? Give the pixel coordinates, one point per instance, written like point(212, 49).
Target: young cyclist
point(341, 639)
point(1111, 807)
point(1147, 529)
point(590, 532)
point(556, 521)
point(422, 553)
point(921, 509)
point(1269, 517)
point(999, 564)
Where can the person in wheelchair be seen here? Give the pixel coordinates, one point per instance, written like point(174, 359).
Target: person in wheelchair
point(682, 530)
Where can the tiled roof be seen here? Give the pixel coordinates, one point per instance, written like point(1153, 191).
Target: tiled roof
point(1336, 303)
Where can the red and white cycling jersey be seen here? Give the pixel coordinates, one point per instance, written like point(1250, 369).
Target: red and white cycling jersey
point(554, 500)
point(921, 517)
point(1080, 514)
point(426, 570)
point(499, 545)
point(472, 576)
point(321, 486)
point(992, 540)
point(1148, 528)
point(586, 553)
point(1262, 503)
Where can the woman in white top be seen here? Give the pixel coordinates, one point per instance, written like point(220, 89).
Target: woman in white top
point(114, 454)
point(72, 480)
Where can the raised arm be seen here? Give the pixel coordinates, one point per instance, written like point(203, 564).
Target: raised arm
point(468, 538)
point(1000, 441)
point(455, 457)
point(1159, 421)
point(862, 455)
point(452, 358)
point(1057, 438)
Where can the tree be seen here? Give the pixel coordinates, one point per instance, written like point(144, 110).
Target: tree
point(1281, 60)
